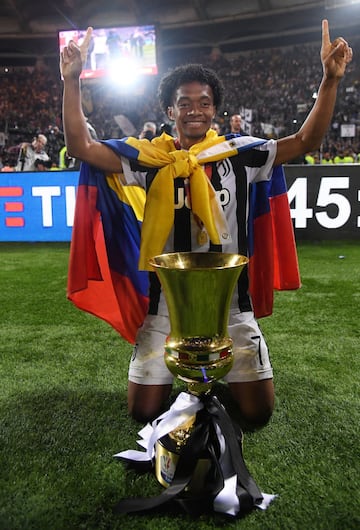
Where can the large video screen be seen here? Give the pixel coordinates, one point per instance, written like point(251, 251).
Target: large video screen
point(131, 49)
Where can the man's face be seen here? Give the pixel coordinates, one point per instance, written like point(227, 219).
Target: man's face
point(235, 123)
point(193, 110)
point(38, 145)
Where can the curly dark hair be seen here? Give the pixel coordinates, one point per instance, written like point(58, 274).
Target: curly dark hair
point(188, 73)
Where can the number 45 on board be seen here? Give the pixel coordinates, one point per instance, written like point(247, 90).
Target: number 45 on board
point(298, 196)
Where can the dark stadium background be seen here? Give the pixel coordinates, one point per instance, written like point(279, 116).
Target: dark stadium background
point(28, 30)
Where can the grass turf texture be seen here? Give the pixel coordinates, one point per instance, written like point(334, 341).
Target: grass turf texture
point(63, 404)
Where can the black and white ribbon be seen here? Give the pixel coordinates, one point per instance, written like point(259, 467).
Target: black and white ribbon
point(229, 487)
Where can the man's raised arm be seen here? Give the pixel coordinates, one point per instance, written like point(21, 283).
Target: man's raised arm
point(77, 137)
point(335, 56)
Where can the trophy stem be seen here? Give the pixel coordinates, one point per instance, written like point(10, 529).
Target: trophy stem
point(197, 389)
point(199, 361)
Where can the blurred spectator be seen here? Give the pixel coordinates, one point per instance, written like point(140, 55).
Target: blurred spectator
point(3, 139)
point(67, 162)
point(137, 42)
point(113, 43)
point(311, 158)
point(148, 131)
point(235, 124)
point(7, 168)
point(216, 127)
point(55, 141)
point(42, 165)
point(166, 128)
point(344, 157)
point(91, 130)
point(32, 154)
point(326, 158)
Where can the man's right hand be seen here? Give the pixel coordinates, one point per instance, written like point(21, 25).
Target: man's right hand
point(73, 57)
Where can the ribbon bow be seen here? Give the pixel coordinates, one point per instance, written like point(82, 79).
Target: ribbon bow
point(159, 207)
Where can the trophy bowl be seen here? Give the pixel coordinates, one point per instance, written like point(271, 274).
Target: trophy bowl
point(198, 287)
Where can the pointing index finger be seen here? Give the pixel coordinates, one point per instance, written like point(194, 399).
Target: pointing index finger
point(325, 32)
point(86, 41)
point(84, 46)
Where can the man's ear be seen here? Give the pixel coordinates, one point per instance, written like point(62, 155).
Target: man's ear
point(170, 113)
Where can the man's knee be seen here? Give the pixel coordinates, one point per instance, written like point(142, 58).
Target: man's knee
point(141, 415)
point(255, 402)
point(255, 418)
point(146, 402)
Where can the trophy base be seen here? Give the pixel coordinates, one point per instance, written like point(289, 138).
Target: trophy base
point(165, 466)
point(193, 462)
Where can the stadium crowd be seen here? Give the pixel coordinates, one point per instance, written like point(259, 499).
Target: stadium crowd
point(272, 89)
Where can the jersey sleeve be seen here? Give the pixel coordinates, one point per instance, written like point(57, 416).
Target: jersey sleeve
point(258, 174)
point(132, 177)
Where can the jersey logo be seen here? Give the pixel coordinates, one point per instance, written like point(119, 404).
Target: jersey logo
point(180, 200)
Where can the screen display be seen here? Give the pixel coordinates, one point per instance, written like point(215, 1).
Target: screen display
point(131, 49)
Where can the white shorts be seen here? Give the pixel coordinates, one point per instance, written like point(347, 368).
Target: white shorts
point(251, 356)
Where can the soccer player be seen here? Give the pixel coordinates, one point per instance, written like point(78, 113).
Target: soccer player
point(191, 95)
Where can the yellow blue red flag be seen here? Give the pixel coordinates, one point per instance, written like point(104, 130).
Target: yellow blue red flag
point(105, 278)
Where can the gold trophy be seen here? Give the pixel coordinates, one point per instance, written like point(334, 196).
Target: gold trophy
point(198, 288)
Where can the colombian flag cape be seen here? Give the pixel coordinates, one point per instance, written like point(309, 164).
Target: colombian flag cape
point(117, 228)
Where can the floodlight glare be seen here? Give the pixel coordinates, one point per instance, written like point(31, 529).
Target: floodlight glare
point(123, 71)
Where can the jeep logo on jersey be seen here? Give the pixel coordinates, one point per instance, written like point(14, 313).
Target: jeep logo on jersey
point(181, 200)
